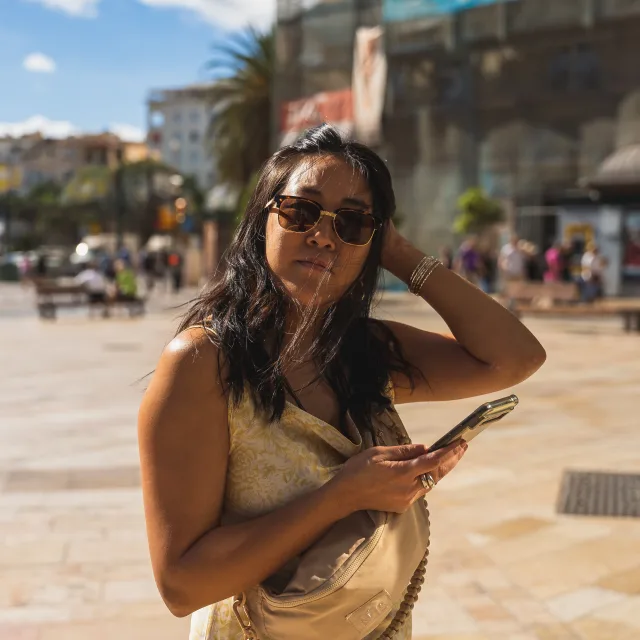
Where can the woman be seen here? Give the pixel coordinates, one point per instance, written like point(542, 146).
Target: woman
point(278, 368)
point(555, 263)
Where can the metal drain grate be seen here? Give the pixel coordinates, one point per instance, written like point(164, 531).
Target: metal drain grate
point(592, 493)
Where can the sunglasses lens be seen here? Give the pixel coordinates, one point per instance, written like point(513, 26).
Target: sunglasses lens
point(354, 227)
point(297, 215)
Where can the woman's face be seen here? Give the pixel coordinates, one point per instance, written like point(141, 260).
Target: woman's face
point(315, 266)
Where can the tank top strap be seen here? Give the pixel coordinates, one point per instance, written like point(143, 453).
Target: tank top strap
point(200, 326)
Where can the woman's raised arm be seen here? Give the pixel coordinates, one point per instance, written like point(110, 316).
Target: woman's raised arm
point(490, 350)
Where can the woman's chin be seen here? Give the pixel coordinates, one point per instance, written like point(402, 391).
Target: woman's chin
point(307, 297)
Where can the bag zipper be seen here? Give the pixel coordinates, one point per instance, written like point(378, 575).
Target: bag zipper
point(339, 582)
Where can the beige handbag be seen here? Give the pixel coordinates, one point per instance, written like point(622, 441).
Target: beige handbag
point(346, 584)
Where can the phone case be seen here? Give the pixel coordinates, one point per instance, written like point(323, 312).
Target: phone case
point(478, 421)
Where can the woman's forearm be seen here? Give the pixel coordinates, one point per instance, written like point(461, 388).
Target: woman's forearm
point(487, 330)
point(229, 559)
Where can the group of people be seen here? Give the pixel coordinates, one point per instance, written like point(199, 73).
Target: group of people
point(585, 268)
point(160, 267)
point(105, 287)
point(521, 260)
point(107, 279)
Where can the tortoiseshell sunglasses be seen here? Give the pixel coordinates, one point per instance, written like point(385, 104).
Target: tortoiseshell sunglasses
point(300, 215)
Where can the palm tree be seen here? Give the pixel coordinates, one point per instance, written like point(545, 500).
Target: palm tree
point(240, 125)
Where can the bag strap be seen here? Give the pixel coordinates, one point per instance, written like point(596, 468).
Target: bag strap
point(410, 598)
point(415, 585)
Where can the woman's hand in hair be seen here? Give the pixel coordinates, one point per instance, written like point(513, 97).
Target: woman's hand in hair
point(388, 478)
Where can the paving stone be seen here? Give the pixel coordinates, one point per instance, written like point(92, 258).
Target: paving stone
point(19, 632)
point(625, 581)
point(593, 629)
point(576, 604)
point(624, 612)
point(73, 553)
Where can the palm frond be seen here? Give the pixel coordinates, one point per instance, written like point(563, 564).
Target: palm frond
point(239, 131)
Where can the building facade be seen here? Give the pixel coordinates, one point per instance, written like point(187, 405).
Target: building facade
point(521, 97)
point(58, 160)
point(178, 120)
point(12, 151)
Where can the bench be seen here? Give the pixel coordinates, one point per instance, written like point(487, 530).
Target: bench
point(541, 295)
point(51, 296)
point(563, 299)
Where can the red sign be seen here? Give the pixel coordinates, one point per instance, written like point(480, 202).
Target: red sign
point(335, 107)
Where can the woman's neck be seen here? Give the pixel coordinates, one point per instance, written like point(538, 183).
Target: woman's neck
point(295, 319)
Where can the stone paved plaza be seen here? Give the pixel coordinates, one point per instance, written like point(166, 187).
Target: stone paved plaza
point(504, 565)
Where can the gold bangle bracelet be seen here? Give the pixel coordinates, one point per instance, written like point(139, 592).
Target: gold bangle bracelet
point(425, 268)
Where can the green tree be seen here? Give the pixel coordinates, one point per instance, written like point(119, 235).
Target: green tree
point(89, 184)
point(240, 125)
point(45, 194)
point(477, 211)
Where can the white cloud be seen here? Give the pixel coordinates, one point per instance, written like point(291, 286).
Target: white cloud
point(63, 129)
point(128, 132)
point(76, 8)
point(39, 63)
point(231, 14)
point(48, 128)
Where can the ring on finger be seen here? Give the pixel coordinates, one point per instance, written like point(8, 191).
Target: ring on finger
point(427, 481)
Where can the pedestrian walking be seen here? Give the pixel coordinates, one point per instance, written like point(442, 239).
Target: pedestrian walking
point(468, 261)
point(555, 263)
point(265, 433)
point(512, 261)
point(592, 264)
point(176, 267)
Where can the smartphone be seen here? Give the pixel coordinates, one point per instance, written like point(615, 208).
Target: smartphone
point(478, 421)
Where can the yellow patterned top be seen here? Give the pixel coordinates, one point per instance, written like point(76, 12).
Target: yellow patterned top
point(269, 466)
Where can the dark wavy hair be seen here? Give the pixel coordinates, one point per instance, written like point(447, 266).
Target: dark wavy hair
point(245, 308)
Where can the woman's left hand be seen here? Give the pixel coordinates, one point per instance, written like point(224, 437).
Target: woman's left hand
point(391, 245)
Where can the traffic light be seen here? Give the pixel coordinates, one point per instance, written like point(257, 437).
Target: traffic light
point(181, 208)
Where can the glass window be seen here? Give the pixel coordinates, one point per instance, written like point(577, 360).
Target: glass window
point(194, 136)
point(194, 117)
point(156, 119)
point(560, 70)
point(194, 157)
point(586, 67)
point(177, 117)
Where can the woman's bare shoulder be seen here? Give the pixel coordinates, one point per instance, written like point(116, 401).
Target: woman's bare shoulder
point(185, 396)
point(192, 355)
point(187, 378)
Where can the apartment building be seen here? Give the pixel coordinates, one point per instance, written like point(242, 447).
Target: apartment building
point(178, 120)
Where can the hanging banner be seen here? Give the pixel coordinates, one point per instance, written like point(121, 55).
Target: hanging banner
point(369, 84)
point(333, 107)
point(400, 10)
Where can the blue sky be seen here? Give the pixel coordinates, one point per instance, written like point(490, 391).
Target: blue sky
point(89, 64)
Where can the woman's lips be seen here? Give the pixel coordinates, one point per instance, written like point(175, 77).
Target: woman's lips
point(314, 266)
